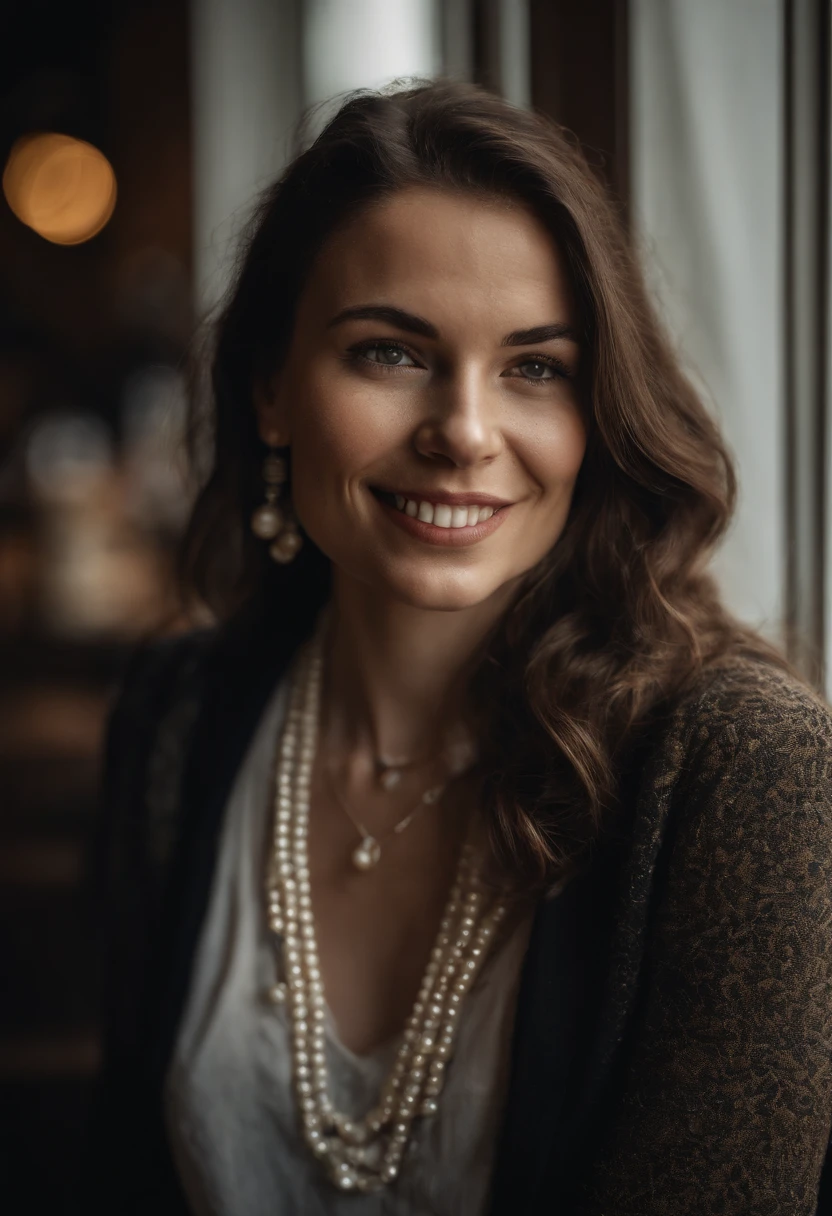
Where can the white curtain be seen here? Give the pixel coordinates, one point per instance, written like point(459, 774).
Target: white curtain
point(245, 98)
point(256, 64)
point(707, 172)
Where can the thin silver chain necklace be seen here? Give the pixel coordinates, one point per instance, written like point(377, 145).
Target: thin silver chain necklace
point(367, 853)
point(365, 1154)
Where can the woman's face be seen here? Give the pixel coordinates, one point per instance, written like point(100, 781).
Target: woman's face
point(430, 398)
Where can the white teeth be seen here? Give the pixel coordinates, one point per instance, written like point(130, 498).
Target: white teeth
point(442, 515)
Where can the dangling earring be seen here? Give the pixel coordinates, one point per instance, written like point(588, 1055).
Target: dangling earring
point(269, 522)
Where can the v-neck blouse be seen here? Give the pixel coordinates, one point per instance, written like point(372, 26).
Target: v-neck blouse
point(230, 1108)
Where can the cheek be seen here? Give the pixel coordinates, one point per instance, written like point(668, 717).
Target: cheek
point(555, 454)
point(339, 428)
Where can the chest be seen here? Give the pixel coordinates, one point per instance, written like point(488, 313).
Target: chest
point(376, 928)
point(232, 1089)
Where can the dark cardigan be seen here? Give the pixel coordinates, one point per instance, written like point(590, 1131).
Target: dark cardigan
point(673, 1042)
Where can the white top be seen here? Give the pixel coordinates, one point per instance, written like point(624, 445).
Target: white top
point(229, 1100)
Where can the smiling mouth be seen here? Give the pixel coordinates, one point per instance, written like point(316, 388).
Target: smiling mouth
point(440, 514)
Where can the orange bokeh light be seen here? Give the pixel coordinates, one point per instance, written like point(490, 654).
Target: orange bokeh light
point(61, 187)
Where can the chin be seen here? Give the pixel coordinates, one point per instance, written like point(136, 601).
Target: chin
point(430, 584)
point(442, 591)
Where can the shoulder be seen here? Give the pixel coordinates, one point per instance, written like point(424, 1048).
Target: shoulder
point(153, 710)
point(156, 668)
point(749, 715)
point(740, 788)
point(159, 673)
point(757, 691)
point(745, 755)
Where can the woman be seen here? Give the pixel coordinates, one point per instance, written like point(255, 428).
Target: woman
point(478, 861)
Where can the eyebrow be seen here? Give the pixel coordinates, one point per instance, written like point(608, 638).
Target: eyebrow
point(418, 325)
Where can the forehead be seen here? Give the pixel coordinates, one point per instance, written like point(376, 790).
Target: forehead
point(440, 252)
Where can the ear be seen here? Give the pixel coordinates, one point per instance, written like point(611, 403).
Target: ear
point(272, 424)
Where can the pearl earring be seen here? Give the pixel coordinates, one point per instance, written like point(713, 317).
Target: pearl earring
point(269, 522)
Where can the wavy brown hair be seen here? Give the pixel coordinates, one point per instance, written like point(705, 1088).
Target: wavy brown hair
point(622, 614)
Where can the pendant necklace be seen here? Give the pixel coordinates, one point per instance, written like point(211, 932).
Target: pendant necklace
point(459, 755)
point(363, 1154)
point(367, 854)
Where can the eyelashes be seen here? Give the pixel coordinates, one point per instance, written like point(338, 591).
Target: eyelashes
point(358, 354)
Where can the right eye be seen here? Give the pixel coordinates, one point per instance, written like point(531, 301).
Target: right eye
point(391, 354)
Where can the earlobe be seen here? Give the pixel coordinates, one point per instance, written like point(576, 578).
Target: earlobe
point(269, 415)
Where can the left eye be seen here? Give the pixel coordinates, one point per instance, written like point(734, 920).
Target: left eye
point(392, 355)
point(539, 370)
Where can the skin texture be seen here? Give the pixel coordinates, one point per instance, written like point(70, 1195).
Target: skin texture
point(459, 411)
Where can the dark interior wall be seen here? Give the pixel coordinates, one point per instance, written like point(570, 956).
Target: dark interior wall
point(74, 322)
point(115, 74)
point(579, 68)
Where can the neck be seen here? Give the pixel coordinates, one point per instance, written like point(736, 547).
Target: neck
point(398, 676)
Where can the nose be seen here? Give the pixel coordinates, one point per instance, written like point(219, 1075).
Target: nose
point(462, 425)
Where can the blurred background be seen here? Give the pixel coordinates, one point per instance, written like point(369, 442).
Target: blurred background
point(133, 137)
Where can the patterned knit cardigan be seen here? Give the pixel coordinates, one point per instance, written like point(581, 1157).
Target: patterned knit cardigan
point(673, 1041)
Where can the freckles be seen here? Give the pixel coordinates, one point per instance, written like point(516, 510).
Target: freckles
point(367, 421)
point(326, 417)
point(553, 452)
point(568, 442)
point(568, 455)
point(347, 431)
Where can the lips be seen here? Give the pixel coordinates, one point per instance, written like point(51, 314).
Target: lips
point(446, 518)
point(443, 509)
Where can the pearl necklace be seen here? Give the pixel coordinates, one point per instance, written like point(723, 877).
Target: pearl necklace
point(366, 1154)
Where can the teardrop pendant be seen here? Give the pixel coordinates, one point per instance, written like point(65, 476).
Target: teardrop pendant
point(390, 778)
point(367, 855)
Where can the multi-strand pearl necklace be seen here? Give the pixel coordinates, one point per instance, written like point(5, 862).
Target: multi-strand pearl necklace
point(361, 1154)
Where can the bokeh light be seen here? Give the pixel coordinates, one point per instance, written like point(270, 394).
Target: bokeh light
point(67, 456)
point(61, 187)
